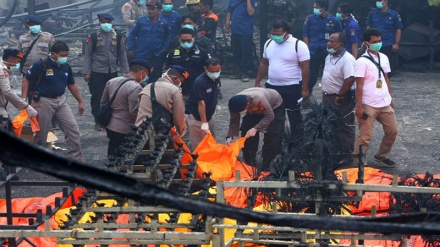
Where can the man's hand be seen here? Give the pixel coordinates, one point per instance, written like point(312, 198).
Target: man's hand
point(227, 27)
point(228, 141)
point(31, 111)
point(87, 78)
point(252, 132)
point(395, 47)
point(257, 83)
point(183, 131)
point(305, 94)
point(359, 111)
point(205, 128)
point(392, 104)
point(338, 100)
point(81, 108)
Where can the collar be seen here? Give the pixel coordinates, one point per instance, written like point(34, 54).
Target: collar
point(340, 54)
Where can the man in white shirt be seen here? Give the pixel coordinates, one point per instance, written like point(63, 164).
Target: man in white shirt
point(373, 97)
point(337, 81)
point(287, 61)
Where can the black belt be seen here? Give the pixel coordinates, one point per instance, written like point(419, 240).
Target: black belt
point(51, 97)
point(329, 94)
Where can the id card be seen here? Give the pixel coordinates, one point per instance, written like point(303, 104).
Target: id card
point(327, 35)
point(379, 84)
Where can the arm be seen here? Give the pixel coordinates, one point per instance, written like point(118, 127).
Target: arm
point(179, 112)
point(87, 62)
point(228, 22)
point(167, 39)
point(123, 62)
point(387, 80)
point(202, 110)
point(306, 30)
point(126, 14)
point(208, 26)
point(262, 71)
point(249, 8)
point(269, 116)
point(133, 100)
point(234, 124)
point(131, 40)
point(359, 93)
point(24, 88)
point(354, 49)
point(306, 40)
point(398, 34)
point(305, 78)
point(8, 93)
point(73, 88)
point(346, 87)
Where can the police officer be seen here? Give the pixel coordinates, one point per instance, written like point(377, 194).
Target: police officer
point(11, 59)
point(173, 18)
point(105, 49)
point(194, 10)
point(132, 10)
point(350, 27)
point(390, 25)
point(317, 29)
point(50, 101)
point(201, 41)
point(37, 50)
point(190, 56)
point(149, 39)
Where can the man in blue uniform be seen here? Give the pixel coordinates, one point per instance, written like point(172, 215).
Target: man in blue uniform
point(189, 55)
point(149, 39)
point(350, 27)
point(202, 102)
point(51, 77)
point(316, 31)
point(240, 22)
point(390, 25)
point(172, 17)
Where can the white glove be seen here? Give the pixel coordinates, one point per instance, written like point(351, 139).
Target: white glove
point(218, 110)
point(31, 111)
point(251, 132)
point(228, 141)
point(205, 128)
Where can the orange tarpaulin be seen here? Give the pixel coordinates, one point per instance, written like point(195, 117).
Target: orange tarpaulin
point(219, 159)
point(18, 121)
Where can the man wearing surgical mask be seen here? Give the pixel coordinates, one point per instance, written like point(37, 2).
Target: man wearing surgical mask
point(133, 10)
point(172, 17)
point(200, 40)
point(202, 102)
point(126, 103)
point(373, 97)
point(169, 97)
point(103, 53)
point(190, 56)
point(51, 77)
point(35, 44)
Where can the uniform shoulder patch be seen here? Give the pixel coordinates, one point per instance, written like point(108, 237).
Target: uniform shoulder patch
point(89, 39)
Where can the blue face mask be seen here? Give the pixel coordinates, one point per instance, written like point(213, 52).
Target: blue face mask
point(278, 38)
point(339, 16)
point(213, 75)
point(167, 7)
point(35, 28)
point(317, 11)
point(141, 2)
point(145, 80)
point(379, 4)
point(332, 50)
point(16, 67)
point(61, 60)
point(376, 47)
point(106, 27)
point(186, 45)
point(188, 26)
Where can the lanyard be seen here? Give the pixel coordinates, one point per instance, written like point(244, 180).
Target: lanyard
point(340, 56)
point(377, 64)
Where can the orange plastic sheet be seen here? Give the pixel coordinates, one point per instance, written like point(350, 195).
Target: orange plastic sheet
point(219, 159)
point(20, 119)
point(186, 157)
point(238, 197)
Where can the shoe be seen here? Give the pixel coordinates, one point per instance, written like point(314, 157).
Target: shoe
point(387, 162)
point(98, 127)
point(245, 78)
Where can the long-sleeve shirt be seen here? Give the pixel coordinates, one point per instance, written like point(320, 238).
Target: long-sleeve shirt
point(261, 101)
point(104, 56)
point(40, 50)
point(126, 104)
point(130, 12)
point(6, 92)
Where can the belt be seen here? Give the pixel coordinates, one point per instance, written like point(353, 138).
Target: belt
point(329, 94)
point(51, 97)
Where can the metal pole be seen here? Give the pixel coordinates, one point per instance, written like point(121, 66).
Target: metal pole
point(31, 7)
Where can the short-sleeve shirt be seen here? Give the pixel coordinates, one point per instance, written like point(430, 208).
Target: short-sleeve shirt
point(319, 29)
point(205, 89)
point(373, 96)
point(241, 22)
point(284, 68)
point(54, 79)
point(352, 30)
point(387, 22)
point(336, 70)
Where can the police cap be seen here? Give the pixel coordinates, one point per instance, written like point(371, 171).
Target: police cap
point(32, 19)
point(155, 4)
point(142, 62)
point(12, 52)
point(106, 16)
point(182, 70)
point(237, 103)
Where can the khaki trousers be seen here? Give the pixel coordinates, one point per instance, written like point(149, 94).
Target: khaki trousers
point(195, 132)
point(384, 116)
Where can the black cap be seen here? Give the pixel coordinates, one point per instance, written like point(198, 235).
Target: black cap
point(182, 70)
point(155, 4)
point(106, 16)
point(237, 103)
point(11, 52)
point(32, 19)
point(143, 63)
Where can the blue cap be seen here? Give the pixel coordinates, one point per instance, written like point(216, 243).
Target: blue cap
point(237, 103)
point(12, 52)
point(182, 70)
point(143, 63)
point(32, 19)
point(106, 16)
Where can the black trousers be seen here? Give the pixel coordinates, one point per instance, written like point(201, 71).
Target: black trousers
point(242, 49)
point(291, 94)
point(272, 138)
point(316, 61)
point(157, 62)
point(347, 133)
point(96, 87)
point(115, 140)
point(387, 50)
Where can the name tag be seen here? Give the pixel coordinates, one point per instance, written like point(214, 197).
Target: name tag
point(49, 72)
point(327, 36)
